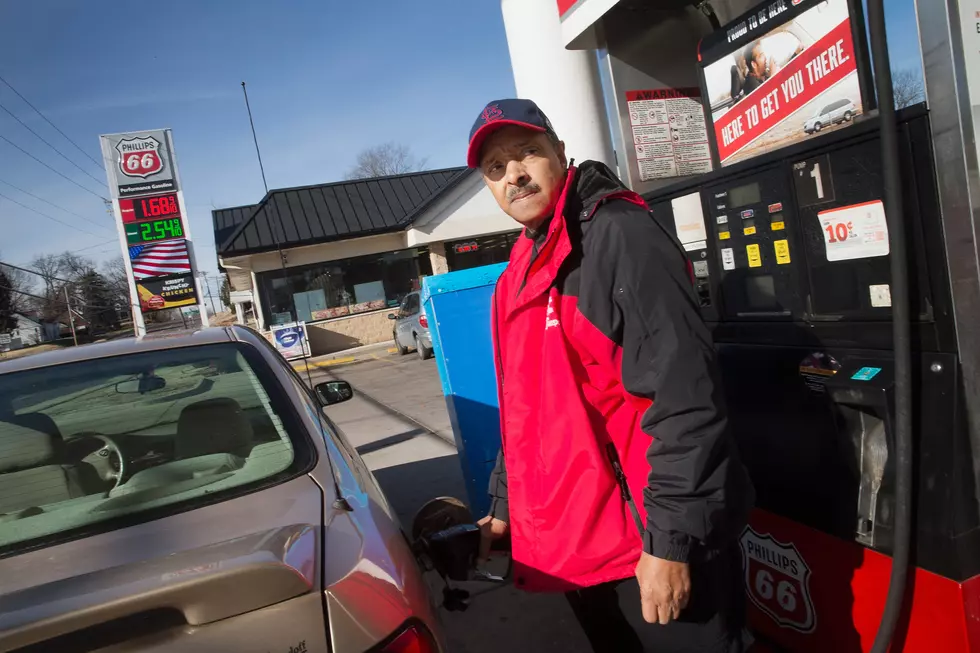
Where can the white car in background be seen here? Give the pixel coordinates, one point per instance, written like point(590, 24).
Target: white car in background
point(830, 114)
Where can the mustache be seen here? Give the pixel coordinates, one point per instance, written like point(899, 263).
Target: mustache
point(514, 192)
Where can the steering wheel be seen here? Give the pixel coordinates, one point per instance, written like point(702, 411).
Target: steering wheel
point(101, 459)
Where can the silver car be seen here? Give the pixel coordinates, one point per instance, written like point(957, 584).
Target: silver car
point(187, 493)
point(836, 112)
point(412, 327)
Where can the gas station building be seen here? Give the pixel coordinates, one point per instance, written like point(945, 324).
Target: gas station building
point(349, 252)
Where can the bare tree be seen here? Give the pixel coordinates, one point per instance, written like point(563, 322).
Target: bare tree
point(384, 160)
point(50, 304)
point(114, 271)
point(58, 273)
point(907, 88)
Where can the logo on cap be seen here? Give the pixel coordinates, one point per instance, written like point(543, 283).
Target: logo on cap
point(492, 113)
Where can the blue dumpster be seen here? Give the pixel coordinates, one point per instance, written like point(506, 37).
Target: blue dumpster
point(457, 305)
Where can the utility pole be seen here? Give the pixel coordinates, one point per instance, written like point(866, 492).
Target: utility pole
point(207, 284)
point(71, 316)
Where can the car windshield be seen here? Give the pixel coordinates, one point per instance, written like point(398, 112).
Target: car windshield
point(87, 442)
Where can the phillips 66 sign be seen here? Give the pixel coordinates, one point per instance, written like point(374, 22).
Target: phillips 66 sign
point(140, 163)
point(140, 156)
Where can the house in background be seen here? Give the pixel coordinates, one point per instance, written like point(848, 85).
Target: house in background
point(27, 333)
point(341, 256)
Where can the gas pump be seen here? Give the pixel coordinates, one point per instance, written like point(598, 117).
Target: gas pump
point(834, 251)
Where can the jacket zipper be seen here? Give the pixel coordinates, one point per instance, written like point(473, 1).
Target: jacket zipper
point(624, 487)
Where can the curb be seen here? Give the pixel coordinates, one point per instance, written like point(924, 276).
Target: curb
point(341, 360)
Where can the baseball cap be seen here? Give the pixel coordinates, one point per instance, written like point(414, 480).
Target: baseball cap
point(502, 113)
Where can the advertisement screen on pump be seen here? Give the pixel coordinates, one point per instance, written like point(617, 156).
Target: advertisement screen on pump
point(781, 74)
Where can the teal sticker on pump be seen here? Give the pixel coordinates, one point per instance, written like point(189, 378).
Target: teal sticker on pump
point(866, 373)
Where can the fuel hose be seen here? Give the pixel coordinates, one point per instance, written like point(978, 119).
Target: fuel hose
point(900, 328)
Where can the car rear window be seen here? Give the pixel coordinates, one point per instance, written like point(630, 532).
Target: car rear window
point(88, 442)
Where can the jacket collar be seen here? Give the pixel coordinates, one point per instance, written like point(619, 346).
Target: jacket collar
point(586, 188)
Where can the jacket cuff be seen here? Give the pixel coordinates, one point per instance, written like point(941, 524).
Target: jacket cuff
point(675, 547)
point(500, 509)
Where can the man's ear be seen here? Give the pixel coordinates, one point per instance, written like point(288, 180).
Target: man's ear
point(560, 148)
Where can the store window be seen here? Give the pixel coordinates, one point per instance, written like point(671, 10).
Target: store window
point(475, 252)
point(336, 288)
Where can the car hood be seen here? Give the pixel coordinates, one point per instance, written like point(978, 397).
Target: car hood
point(204, 566)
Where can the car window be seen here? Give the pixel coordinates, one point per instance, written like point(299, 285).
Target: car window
point(91, 441)
point(403, 308)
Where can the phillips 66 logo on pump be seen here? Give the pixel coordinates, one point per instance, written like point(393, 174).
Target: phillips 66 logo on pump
point(777, 580)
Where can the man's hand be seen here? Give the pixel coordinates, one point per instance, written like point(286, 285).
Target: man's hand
point(665, 588)
point(491, 530)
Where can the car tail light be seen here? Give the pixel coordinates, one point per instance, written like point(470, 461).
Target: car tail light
point(414, 638)
point(424, 321)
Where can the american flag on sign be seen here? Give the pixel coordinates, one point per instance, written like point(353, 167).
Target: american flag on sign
point(159, 259)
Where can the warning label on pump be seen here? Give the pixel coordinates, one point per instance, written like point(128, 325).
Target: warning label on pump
point(670, 135)
point(856, 231)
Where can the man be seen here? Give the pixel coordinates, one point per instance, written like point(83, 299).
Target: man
point(757, 63)
point(608, 391)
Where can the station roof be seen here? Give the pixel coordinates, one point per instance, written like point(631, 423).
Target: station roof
point(311, 215)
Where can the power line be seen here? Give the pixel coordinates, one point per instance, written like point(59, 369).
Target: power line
point(38, 112)
point(50, 217)
point(35, 272)
point(102, 244)
point(60, 208)
point(60, 174)
point(77, 301)
point(41, 138)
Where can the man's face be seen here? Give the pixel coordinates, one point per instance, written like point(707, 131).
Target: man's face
point(758, 64)
point(525, 171)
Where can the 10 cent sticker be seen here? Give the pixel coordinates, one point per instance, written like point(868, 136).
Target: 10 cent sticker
point(857, 231)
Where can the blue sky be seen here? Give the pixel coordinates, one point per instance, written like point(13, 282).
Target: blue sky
point(326, 79)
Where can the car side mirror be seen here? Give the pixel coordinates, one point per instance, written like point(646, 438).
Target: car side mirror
point(391, 316)
point(333, 392)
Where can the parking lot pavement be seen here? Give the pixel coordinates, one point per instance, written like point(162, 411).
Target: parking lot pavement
point(404, 384)
point(393, 421)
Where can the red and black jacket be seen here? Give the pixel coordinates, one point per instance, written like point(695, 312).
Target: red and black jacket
point(608, 390)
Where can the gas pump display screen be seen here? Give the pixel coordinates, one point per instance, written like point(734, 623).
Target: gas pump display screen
point(744, 195)
point(780, 74)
